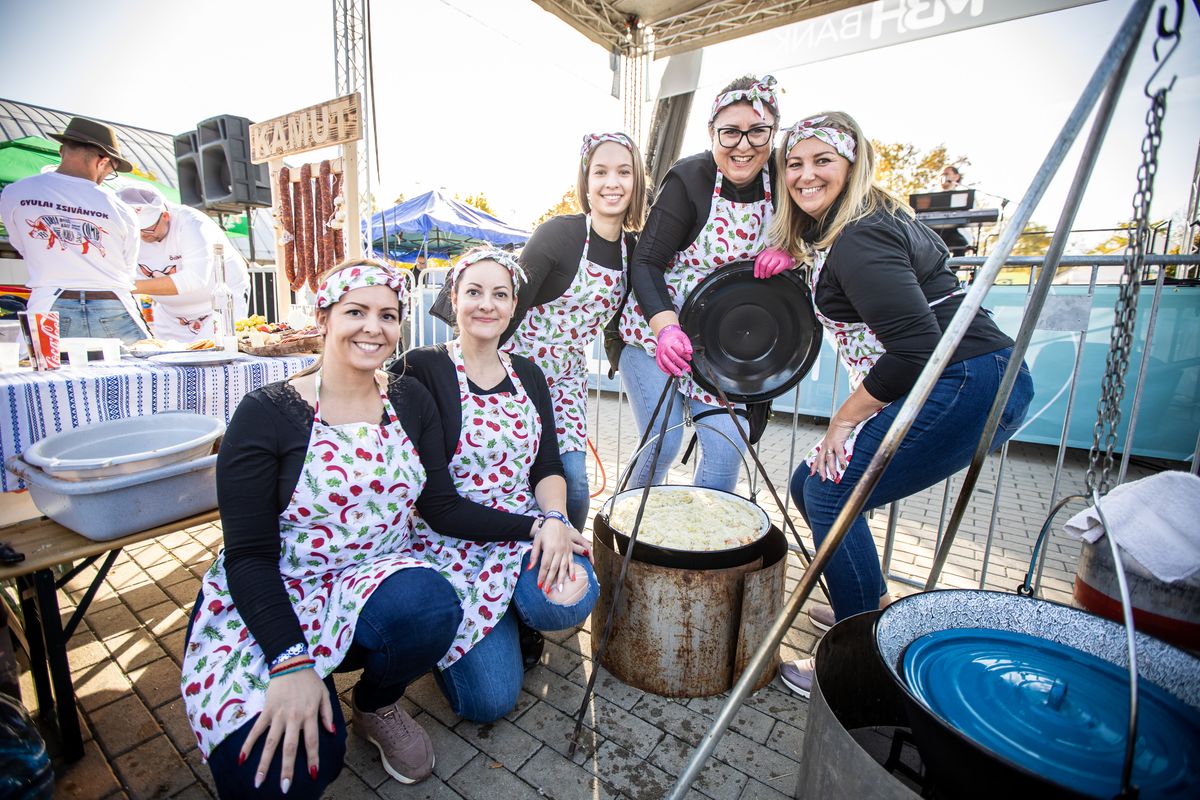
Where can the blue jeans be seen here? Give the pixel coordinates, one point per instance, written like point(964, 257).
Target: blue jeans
point(483, 685)
point(941, 441)
point(101, 319)
point(406, 626)
point(579, 496)
point(720, 457)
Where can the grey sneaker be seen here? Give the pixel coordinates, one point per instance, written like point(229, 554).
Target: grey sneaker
point(798, 675)
point(821, 616)
point(404, 745)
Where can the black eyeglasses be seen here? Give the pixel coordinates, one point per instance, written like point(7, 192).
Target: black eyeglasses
point(757, 136)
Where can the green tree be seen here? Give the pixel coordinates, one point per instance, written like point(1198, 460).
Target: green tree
point(903, 168)
point(566, 205)
point(400, 198)
point(1034, 240)
point(477, 200)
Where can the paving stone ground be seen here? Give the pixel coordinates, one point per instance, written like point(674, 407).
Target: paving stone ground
point(125, 661)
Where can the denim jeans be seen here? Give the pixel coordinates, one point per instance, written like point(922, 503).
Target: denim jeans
point(579, 496)
point(941, 441)
point(406, 626)
point(720, 457)
point(102, 319)
point(483, 685)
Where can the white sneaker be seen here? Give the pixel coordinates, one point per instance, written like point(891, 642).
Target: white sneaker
point(798, 675)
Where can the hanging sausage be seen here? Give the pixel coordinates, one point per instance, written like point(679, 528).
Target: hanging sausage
point(288, 252)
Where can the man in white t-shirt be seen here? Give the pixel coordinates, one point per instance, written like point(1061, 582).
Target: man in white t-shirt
point(78, 241)
point(176, 267)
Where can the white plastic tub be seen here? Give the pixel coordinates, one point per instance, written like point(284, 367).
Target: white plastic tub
point(109, 508)
point(125, 446)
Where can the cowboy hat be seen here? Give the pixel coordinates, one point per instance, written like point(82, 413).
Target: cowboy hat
point(97, 134)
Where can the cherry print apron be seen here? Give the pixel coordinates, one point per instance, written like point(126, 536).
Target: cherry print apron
point(558, 337)
point(496, 448)
point(733, 232)
point(345, 529)
point(858, 349)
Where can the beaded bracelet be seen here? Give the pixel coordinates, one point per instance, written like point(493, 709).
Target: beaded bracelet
point(298, 649)
point(294, 668)
point(281, 668)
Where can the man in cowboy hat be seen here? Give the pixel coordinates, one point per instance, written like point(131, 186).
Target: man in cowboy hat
point(79, 242)
point(175, 266)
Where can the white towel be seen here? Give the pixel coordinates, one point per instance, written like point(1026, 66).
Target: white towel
point(1156, 519)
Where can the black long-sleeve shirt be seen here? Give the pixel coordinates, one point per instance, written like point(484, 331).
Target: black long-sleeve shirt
point(679, 213)
point(259, 465)
point(434, 368)
point(550, 260)
point(885, 270)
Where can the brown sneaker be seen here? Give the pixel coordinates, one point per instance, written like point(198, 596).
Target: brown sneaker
point(404, 745)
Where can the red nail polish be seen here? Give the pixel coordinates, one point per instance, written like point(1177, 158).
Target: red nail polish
point(312, 771)
point(241, 759)
point(539, 584)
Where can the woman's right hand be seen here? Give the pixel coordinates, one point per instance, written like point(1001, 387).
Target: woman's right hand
point(673, 351)
point(553, 553)
point(296, 703)
point(771, 262)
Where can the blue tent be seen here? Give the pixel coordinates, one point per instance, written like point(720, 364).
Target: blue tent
point(439, 226)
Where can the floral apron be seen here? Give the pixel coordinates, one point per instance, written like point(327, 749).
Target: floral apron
point(858, 349)
point(496, 448)
point(733, 232)
point(558, 336)
point(344, 531)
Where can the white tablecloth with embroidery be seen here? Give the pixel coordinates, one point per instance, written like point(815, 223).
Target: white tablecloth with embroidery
point(34, 405)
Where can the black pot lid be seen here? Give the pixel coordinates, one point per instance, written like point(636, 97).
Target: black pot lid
point(755, 338)
point(1058, 712)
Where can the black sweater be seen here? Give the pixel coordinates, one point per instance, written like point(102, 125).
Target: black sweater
point(679, 213)
point(885, 270)
point(551, 262)
point(259, 465)
point(433, 367)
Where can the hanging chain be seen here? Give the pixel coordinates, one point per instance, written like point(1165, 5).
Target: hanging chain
point(1112, 388)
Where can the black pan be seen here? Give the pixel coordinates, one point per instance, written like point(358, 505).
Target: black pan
point(754, 338)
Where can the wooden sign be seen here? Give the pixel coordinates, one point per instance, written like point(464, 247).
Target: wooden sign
point(323, 125)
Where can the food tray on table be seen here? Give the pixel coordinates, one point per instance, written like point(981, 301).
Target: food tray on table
point(303, 344)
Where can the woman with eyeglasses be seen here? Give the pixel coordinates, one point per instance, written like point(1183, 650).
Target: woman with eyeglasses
point(500, 429)
point(712, 210)
point(881, 288)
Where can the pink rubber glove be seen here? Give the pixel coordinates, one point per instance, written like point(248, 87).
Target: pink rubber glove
point(674, 351)
point(771, 262)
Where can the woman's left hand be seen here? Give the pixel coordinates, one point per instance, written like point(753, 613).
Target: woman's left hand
point(831, 461)
point(554, 547)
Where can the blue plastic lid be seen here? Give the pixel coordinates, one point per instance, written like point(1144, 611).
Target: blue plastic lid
point(1055, 711)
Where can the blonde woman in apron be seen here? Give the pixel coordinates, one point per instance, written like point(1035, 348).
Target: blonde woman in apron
point(711, 210)
point(883, 292)
point(499, 426)
point(318, 479)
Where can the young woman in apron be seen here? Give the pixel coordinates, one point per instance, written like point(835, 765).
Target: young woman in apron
point(318, 478)
point(883, 291)
point(712, 210)
point(500, 428)
point(577, 266)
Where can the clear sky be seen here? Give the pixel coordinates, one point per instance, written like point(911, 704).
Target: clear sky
point(493, 96)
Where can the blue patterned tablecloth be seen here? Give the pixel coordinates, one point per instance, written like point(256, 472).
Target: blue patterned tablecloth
point(34, 405)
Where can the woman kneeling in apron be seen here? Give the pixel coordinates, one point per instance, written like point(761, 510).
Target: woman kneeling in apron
point(499, 425)
point(317, 479)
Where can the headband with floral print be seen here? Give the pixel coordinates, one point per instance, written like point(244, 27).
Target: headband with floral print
point(834, 137)
point(760, 94)
point(501, 257)
point(357, 276)
point(593, 140)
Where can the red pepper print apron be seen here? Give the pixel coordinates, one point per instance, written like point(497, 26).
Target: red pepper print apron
point(497, 447)
point(733, 232)
point(345, 530)
point(858, 349)
point(558, 336)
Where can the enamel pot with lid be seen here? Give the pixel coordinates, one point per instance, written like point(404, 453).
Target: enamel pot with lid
point(753, 338)
point(1013, 695)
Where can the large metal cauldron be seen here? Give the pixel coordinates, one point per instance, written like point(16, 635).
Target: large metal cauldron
point(687, 632)
point(956, 762)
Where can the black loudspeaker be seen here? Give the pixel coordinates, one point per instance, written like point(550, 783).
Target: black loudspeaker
point(217, 157)
point(187, 164)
